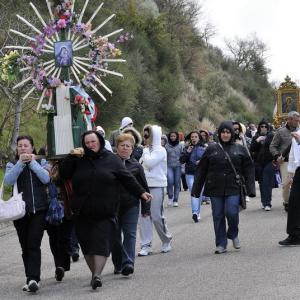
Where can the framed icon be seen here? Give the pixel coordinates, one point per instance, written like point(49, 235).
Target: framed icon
point(63, 53)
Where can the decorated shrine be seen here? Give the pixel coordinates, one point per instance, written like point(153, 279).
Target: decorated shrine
point(62, 58)
point(287, 99)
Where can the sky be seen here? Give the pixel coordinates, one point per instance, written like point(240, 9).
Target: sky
point(275, 22)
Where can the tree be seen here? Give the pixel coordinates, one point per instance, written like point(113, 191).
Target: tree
point(249, 54)
point(12, 98)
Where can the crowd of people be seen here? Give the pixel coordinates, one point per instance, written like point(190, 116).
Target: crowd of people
point(107, 187)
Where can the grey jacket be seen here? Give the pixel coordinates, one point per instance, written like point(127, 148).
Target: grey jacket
point(173, 155)
point(281, 141)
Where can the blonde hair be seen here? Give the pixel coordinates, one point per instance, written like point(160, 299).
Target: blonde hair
point(125, 137)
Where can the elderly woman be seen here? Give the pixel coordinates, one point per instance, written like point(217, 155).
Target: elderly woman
point(123, 254)
point(96, 177)
point(31, 179)
point(216, 174)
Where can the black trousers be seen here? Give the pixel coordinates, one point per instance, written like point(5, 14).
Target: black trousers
point(293, 219)
point(30, 230)
point(60, 243)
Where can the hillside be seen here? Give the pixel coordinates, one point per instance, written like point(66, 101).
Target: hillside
point(172, 77)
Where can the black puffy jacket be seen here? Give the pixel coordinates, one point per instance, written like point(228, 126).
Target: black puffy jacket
point(129, 200)
point(215, 171)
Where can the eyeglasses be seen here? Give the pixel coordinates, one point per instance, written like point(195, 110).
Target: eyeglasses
point(235, 129)
point(226, 131)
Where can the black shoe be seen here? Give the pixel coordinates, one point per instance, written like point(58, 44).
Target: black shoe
point(195, 218)
point(33, 286)
point(290, 241)
point(127, 269)
point(117, 271)
point(75, 257)
point(96, 282)
point(59, 273)
point(286, 207)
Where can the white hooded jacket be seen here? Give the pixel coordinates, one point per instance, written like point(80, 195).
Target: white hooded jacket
point(294, 156)
point(154, 159)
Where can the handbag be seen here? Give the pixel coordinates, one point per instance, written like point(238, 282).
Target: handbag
point(55, 213)
point(239, 180)
point(14, 208)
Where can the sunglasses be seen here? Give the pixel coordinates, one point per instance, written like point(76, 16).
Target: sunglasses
point(146, 136)
point(263, 126)
point(226, 131)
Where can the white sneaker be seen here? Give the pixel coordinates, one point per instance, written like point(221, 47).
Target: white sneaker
point(166, 247)
point(170, 202)
point(146, 250)
point(33, 286)
point(267, 208)
point(247, 199)
point(199, 217)
point(175, 204)
point(25, 288)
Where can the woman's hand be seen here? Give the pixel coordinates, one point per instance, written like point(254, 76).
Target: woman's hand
point(146, 196)
point(190, 149)
point(25, 157)
point(79, 152)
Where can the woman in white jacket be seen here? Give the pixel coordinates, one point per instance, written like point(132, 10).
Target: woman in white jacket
point(154, 161)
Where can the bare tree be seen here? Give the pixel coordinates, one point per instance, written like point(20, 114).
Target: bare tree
point(249, 54)
point(207, 32)
point(12, 98)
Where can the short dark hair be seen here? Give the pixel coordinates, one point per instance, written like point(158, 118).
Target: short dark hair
point(28, 138)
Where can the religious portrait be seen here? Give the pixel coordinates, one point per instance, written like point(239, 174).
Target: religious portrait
point(289, 102)
point(63, 54)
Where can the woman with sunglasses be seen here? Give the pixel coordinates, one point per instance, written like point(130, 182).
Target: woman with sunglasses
point(264, 166)
point(215, 172)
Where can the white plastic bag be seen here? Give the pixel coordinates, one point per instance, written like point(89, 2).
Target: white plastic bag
point(12, 209)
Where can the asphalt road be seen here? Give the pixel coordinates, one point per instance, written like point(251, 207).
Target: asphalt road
point(260, 270)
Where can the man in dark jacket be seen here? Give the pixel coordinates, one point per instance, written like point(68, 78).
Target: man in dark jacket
point(264, 167)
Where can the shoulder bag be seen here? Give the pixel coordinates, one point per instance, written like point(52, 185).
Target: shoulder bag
point(239, 180)
point(12, 209)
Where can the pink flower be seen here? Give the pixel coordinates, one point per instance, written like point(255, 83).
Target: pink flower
point(61, 23)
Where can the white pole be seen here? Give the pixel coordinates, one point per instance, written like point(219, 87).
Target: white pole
point(22, 82)
point(103, 85)
point(97, 91)
point(94, 14)
point(39, 16)
point(113, 33)
point(41, 100)
point(29, 93)
point(101, 25)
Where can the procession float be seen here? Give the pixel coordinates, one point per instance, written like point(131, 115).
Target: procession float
point(63, 59)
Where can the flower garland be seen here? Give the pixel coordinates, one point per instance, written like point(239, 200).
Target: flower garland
point(9, 66)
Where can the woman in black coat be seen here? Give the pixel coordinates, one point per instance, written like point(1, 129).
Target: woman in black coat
point(215, 172)
point(263, 159)
point(96, 179)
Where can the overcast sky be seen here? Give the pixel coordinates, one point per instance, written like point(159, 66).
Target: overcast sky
point(275, 22)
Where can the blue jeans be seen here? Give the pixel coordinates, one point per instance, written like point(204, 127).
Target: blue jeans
point(174, 175)
point(227, 206)
point(124, 253)
point(266, 182)
point(195, 202)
